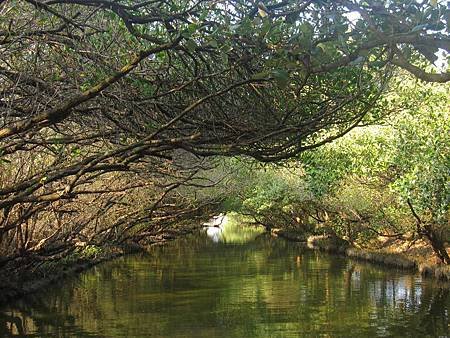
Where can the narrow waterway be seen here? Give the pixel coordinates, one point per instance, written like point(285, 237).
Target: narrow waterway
point(265, 287)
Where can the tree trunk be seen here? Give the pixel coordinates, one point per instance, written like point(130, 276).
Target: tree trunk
point(437, 244)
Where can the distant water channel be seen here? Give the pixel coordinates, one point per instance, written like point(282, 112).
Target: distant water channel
point(261, 287)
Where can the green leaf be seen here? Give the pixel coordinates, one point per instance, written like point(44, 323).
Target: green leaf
point(75, 152)
point(186, 34)
point(224, 58)
point(265, 28)
point(419, 28)
point(213, 43)
point(291, 65)
point(192, 28)
point(357, 61)
point(191, 45)
point(261, 75)
point(281, 77)
point(307, 29)
point(257, 21)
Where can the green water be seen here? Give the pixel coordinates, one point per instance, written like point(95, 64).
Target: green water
point(263, 288)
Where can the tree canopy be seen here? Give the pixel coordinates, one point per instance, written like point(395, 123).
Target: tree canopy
point(115, 104)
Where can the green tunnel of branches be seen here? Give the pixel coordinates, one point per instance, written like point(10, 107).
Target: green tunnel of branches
point(112, 110)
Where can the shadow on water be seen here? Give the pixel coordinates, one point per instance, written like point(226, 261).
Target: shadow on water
point(265, 287)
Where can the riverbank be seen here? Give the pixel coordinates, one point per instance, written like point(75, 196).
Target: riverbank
point(84, 258)
point(415, 256)
point(81, 259)
point(263, 287)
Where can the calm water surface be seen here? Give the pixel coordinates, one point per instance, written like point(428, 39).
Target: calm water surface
point(262, 288)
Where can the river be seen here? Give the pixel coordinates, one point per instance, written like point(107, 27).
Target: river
point(261, 287)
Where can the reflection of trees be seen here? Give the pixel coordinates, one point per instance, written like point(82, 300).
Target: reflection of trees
point(103, 131)
point(41, 316)
point(436, 312)
point(10, 324)
point(207, 289)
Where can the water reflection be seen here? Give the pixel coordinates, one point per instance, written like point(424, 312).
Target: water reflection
point(265, 288)
point(228, 229)
point(215, 233)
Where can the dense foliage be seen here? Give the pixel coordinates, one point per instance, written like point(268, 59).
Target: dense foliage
point(390, 179)
point(108, 108)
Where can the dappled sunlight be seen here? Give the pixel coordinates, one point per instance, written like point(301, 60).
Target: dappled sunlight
point(198, 133)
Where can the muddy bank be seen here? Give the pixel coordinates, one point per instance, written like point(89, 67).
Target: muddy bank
point(425, 266)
